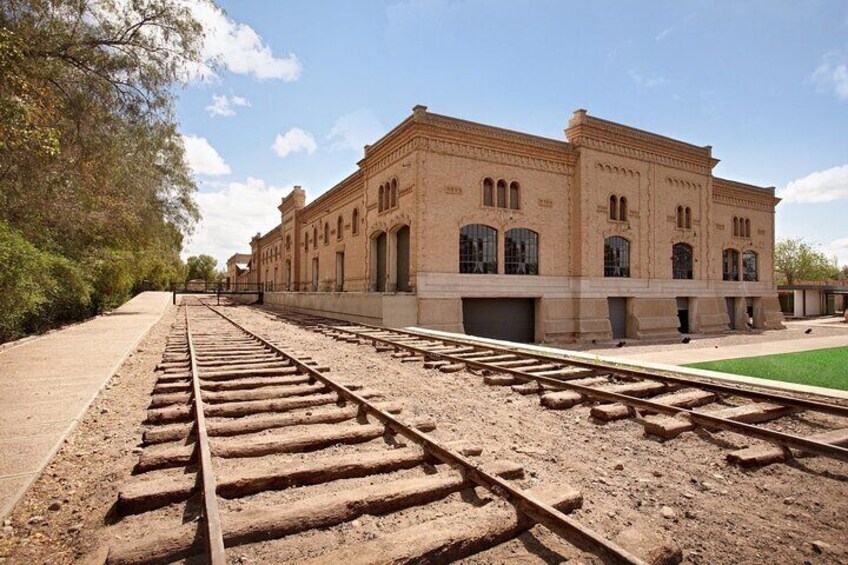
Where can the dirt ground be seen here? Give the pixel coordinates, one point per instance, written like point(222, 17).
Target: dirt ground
point(681, 489)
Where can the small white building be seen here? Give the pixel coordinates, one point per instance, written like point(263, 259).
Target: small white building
point(806, 299)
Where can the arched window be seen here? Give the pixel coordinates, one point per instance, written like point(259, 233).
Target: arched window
point(735, 226)
point(393, 202)
point(339, 228)
point(680, 216)
point(687, 222)
point(326, 233)
point(387, 196)
point(354, 221)
point(616, 257)
point(747, 227)
point(380, 199)
point(306, 241)
point(288, 242)
point(622, 209)
point(314, 237)
point(681, 261)
point(730, 265)
point(478, 249)
point(521, 252)
point(613, 207)
point(514, 193)
point(749, 266)
point(488, 192)
point(501, 193)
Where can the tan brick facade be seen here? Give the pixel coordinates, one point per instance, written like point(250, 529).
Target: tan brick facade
point(394, 227)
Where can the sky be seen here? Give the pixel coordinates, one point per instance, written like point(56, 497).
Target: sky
point(300, 88)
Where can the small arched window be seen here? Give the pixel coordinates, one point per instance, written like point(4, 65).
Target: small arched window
point(354, 221)
point(730, 265)
point(616, 257)
point(326, 233)
point(521, 252)
point(514, 196)
point(314, 238)
point(393, 202)
point(380, 199)
point(622, 209)
point(613, 207)
point(749, 266)
point(306, 241)
point(339, 228)
point(747, 227)
point(501, 193)
point(478, 249)
point(680, 216)
point(488, 192)
point(288, 242)
point(735, 226)
point(681, 261)
point(687, 218)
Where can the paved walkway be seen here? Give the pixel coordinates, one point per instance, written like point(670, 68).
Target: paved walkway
point(685, 357)
point(47, 384)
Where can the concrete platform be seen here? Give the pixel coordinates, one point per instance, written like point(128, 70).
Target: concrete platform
point(48, 383)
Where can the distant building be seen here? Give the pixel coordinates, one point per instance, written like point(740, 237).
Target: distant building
point(459, 226)
point(238, 270)
point(814, 298)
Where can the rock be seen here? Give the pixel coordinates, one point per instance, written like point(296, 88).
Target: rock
point(788, 500)
point(820, 547)
point(619, 467)
point(75, 529)
point(35, 520)
point(7, 522)
point(667, 512)
point(652, 547)
point(55, 506)
point(657, 474)
point(690, 515)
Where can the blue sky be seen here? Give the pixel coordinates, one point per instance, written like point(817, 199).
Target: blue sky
point(301, 86)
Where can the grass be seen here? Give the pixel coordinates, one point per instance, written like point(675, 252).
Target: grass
point(822, 367)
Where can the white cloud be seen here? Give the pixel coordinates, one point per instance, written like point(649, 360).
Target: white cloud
point(832, 74)
point(203, 158)
point(821, 186)
point(355, 130)
point(293, 141)
point(839, 249)
point(647, 82)
point(223, 106)
point(232, 215)
point(237, 47)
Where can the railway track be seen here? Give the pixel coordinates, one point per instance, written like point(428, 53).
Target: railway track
point(228, 404)
point(665, 404)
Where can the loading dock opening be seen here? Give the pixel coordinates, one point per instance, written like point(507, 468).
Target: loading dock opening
point(510, 319)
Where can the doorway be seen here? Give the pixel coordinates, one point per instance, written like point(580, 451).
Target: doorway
point(683, 315)
point(315, 274)
point(403, 259)
point(340, 271)
point(380, 250)
point(618, 316)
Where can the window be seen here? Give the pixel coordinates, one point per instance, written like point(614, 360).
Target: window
point(488, 192)
point(522, 252)
point(306, 241)
point(326, 233)
point(314, 238)
point(288, 242)
point(339, 228)
point(354, 221)
point(501, 193)
point(730, 265)
point(616, 257)
point(514, 190)
point(380, 199)
point(747, 227)
point(749, 266)
point(622, 209)
point(394, 193)
point(687, 214)
point(613, 207)
point(681, 261)
point(478, 249)
point(741, 227)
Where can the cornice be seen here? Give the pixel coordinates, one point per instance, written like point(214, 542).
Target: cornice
point(740, 194)
point(348, 189)
point(614, 169)
point(482, 153)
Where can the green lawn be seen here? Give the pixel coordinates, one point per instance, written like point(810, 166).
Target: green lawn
point(823, 367)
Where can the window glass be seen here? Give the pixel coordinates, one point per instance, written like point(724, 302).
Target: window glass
point(616, 257)
point(521, 252)
point(478, 249)
point(681, 261)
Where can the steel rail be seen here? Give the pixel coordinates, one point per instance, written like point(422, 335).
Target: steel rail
point(699, 418)
point(212, 518)
point(528, 505)
point(786, 400)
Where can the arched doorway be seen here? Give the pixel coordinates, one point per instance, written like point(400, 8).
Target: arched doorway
point(402, 259)
point(380, 247)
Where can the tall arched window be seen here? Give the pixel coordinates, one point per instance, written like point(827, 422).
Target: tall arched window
point(478, 249)
point(501, 193)
point(616, 257)
point(687, 218)
point(735, 226)
point(680, 216)
point(314, 238)
point(393, 201)
point(354, 221)
point(306, 241)
point(622, 209)
point(749, 266)
point(339, 228)
point(681, 261)
point(730, 265)
point(521, 252)
point(514, 193)
point(326, 233)
point(380, 199)
point(613, 207)
point(747, 227)
point(488, 192)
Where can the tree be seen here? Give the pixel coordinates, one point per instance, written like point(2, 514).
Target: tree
point(202, 267)
point(797, 260)
point(843, 274)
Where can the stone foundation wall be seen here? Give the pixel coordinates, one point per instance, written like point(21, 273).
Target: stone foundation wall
point(390, 310)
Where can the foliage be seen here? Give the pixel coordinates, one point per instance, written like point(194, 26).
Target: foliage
point(93, 178)
point(797, 260)
point(202, 267)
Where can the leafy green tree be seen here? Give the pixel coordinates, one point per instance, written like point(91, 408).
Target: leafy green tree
point(797, 260)
point(202, 267)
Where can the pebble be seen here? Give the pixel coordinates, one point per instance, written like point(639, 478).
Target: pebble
point(690, 515)
point(657, 474)
point(619, 467)
point(75, 528)
point(788, 500)
point(667, 512)
point(820, 546)
point(35, 520)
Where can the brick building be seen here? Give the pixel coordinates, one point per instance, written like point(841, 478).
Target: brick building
point(454, 225)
